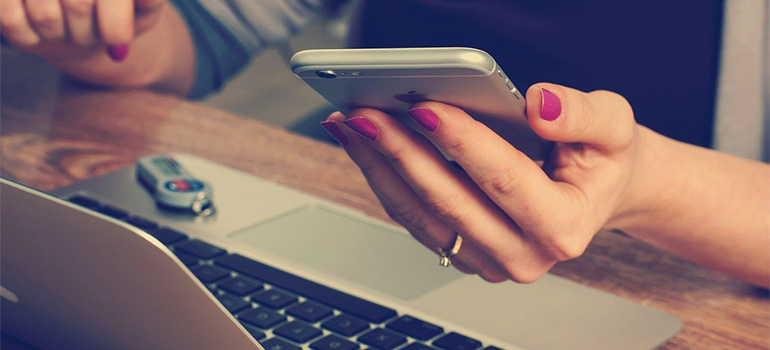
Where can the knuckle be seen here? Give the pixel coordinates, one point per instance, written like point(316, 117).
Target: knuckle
point(46, 16)
point(369, 168)
point(562, 247)
point(409, 217)
point(454, 146)
point(447, 207)
point(397, 154)
point(504, 182)
point(391, 212)
point(524, 275)
point(79, 8)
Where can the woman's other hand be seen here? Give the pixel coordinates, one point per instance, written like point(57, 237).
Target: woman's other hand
point(57, 29)
point(516, 218)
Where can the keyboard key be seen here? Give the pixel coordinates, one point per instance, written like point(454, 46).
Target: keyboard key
point(273, 298)
point(455, 341)
point(262, 318)
point(417, 346)
point(167, 235)
point(333, 342)
point(382, 339)
point(210, 274)
point(253, 331)
point(415, 328)
point(142, 223)
point(346, 325)
point(111, 211)
point(187, 259)
point(232, 303)
point(278, 344)
point(200, 249)
point(83, 201)
point(240, 286)
point(328, 296)
point(298, 331)
point(309, 311)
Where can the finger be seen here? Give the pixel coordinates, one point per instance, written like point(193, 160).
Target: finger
point(80, 21)
point(404, 207)
point(602, 119)
point(333, 128)
point(507, 176)
point(15, 24)
point(450, 195)
point(116, 21)
point(47, 18)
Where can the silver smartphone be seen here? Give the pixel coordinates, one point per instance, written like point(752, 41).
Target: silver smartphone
point(392, 80)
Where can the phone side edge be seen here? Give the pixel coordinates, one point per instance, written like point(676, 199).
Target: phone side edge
point(331, 58)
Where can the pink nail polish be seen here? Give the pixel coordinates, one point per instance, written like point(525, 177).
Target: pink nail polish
point(118, 53)
point(334, 130)
point(425, 117)
point(363, 127)
point(550, 106)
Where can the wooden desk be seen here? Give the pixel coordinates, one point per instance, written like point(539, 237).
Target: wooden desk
point(54, 133)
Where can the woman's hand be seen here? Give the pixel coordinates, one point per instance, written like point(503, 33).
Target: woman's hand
point(86, 39)
point(516, 218)
point(76, 28)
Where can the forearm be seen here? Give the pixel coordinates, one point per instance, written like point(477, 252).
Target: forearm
point(161, 57)
point(703, 205)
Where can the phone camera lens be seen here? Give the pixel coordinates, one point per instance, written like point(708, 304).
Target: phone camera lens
point(327, 74)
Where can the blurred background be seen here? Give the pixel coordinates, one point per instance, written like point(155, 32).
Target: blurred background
point(267, 89)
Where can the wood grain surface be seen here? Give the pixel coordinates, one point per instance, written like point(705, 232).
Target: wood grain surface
point(54, 132)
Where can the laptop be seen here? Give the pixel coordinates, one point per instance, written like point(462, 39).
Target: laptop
point(98, 265)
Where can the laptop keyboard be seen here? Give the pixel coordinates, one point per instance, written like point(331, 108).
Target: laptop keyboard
point(286, 312)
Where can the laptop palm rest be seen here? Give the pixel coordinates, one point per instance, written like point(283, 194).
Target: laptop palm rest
point(377, 257)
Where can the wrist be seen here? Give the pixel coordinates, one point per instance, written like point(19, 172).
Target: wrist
point(642, 194)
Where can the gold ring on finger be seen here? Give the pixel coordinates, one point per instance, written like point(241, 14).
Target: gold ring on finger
point(447, 254)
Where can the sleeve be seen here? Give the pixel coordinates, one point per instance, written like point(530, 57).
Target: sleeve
point(227, 33)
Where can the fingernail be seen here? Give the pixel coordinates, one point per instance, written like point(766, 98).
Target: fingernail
point(334, 130)
point(363, 127)
point(550, 107)
point(118, 53)
point(425, 117)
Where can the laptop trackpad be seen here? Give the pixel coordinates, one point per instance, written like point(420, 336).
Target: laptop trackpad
point(375, 256)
